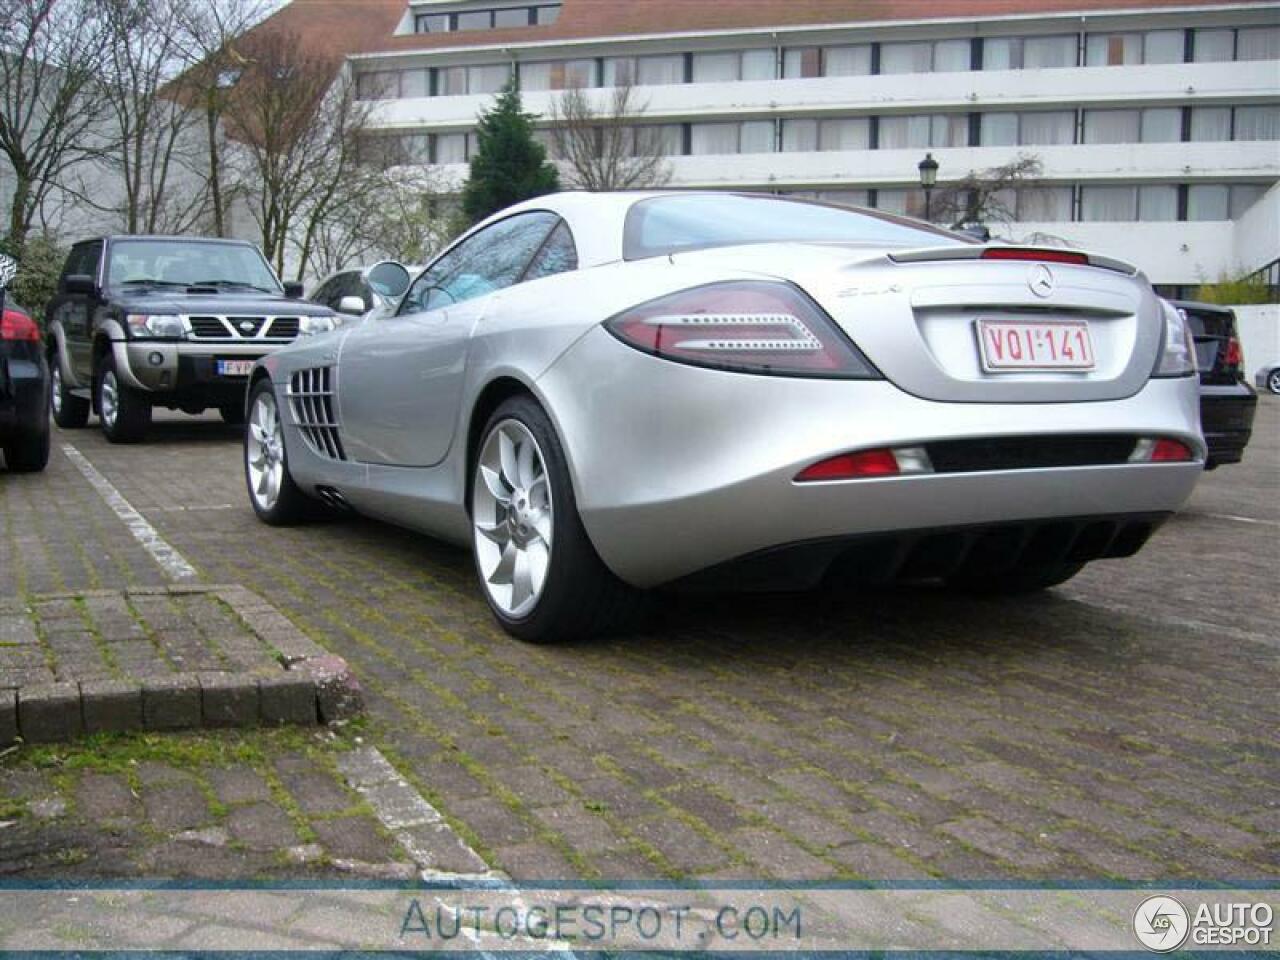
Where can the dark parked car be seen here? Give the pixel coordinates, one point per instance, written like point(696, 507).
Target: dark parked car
point(1268, 378)
point(174, 322)
point(1227, 402)
point(24, 384)
point(371, 291)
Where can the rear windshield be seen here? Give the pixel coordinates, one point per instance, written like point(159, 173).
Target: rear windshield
point(662, 225)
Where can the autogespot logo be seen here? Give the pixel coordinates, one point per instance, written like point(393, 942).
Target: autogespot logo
point(1161, 924)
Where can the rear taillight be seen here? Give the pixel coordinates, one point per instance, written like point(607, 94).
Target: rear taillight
point(749, 326)
point(861, 464)
point(1161, 450)
point(1233, 355)
point(18, 326)
point(1031, 253)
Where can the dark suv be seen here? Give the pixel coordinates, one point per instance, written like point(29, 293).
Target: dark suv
point(174, 322)
point(1227, 402)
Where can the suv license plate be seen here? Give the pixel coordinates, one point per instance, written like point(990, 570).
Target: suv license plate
point(235, 368)
point(1013, 345)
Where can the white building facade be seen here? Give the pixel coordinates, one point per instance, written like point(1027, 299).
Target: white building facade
point(1157, 126)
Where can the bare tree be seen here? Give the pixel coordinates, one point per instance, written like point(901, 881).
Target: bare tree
point(211, 30)
point(987, 196)
point(153, 148)
point(606, 148)
point(50, 98)
point(297, 117)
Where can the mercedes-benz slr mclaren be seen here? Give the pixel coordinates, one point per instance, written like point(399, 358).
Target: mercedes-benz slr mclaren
point(605, 394)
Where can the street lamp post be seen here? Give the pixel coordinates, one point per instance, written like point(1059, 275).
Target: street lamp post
point(928, 178)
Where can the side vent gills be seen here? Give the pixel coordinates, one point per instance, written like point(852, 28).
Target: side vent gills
point(311, 400)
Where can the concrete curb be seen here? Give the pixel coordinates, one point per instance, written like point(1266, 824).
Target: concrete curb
point(312, 686)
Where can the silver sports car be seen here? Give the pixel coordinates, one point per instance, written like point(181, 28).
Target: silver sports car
point(603, 394)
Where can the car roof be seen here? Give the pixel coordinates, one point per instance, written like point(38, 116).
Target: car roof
point(168, 238)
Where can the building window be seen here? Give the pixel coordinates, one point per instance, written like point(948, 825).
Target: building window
point(1157, 125)
point(1124, 49)
point(1043, 204)
point(942, 56)
point(1258, 43)
point(1210, 124)
point(1257, 123)
point(1109, 204)
point(1208, 201)
point(491, 19)
point(450, 148)
point(657, 71)
point(1157, 203)
point(557, 74)
point(488, 79)
point(848, 133)
point(1244, 196)
point(1039, 128)
point(383, 85)
point(847, 61)
point(731, 66)
point(1028, 53)
point(801, 62)
point(713, 138)
point(799, 136)
point(915, 132)
point(415, 83)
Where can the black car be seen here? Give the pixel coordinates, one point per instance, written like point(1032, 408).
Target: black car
point(1227, 402)
point(24, 385)
point(175, 322)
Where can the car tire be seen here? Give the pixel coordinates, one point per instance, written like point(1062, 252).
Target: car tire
point(232, 413)
point(1029, 579)
point(27, 452)
point(69, 411)
point(124, 413)
point(1273, 381)
point(275, 498)
point(529, 522)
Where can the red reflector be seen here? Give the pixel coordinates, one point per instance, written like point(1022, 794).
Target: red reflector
point(1234, 356)
point(849, 466)
point(1021, 253)
point(18, 326)
point(1170, 451)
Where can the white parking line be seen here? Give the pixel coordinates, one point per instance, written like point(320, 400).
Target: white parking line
point(171, 561)
point(1237, 519)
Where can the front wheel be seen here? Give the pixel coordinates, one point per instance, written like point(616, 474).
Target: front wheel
point(69, 411)
point(125, 413)
point(276, 499)
point(1273, 381)
point(541, 576)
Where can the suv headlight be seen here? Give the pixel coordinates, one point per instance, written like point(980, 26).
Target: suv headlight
point(163, 326)
point(1178, 350)
point(312, 325)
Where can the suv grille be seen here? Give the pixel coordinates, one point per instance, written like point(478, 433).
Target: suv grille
point(243, 328)
point(311, 400)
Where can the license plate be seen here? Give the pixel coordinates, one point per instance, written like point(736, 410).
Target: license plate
point(1012, 345)
point(235, 368)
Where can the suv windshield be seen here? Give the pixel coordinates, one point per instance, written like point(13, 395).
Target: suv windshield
point(188, 262)
point(662, 225)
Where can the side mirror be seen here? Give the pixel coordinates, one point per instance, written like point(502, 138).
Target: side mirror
point(80, 283)
point(293, 289)
point(351, 304)
point(8, 270)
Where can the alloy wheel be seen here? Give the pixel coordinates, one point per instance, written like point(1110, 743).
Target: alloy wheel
point(1273, 381)
point(264, 451)
point(512, 518)
point(109, 398)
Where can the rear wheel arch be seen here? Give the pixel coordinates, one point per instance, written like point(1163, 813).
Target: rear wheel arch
point(494, 394)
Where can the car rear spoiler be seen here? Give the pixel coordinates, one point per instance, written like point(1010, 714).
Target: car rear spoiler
point(1036, 254)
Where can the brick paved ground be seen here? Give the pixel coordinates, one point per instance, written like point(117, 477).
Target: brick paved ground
point(1123, 726)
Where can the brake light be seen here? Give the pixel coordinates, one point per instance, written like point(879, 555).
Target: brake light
point(18, 326)
point(1161, 450)
point(1233, 356)
point(749, 326)
point(1030, 253)
point(851, 466)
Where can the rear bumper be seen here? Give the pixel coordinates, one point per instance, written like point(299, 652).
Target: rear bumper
point(1226, 417)
point(982, 550)
point(24, 396)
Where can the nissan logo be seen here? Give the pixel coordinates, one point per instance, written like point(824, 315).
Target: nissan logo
point(248, 325)
point(1040, 280)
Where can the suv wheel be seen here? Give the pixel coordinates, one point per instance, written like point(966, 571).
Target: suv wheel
point(69, 411)
point(123, 412)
